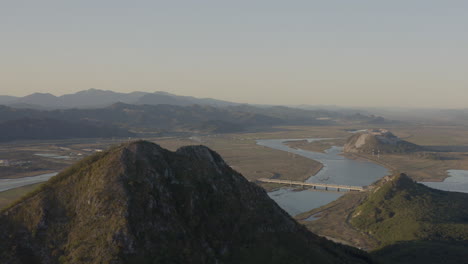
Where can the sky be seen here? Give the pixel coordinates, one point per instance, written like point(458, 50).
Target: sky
point(403, 53)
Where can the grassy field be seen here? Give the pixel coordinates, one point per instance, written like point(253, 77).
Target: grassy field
point(446, 148)
point(8, 197)
point(420, 168)
point(250, 159)
point(239, 150)
point(253, 161)
point(316, 146)
point(333, 222)
point(433, 136)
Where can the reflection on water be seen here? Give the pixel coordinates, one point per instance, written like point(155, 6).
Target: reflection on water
point(337, 170)
point(456, 182)
point(296, 202)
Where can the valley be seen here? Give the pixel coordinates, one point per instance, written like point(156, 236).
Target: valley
point(243, 153)
point(21, 159)
point(234, 132)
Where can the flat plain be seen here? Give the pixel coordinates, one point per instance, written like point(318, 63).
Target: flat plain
point(447, 149)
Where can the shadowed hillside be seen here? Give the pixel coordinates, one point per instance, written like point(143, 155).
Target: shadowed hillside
point(46, 128)
point(139, 203)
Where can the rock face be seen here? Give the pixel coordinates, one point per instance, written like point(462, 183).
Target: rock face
point(378, 140)
point(139, 203)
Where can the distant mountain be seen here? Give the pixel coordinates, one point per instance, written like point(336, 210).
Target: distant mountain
point(167, 98)
point(169, 118)
point(94, 98)
point(162, 98)
point(139, 203)
point(194, 118)
point(5, 99)
point(378, 140)
point(40, 99)
point(30, 129)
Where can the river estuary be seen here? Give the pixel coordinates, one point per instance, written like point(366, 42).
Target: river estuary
point(336, 169)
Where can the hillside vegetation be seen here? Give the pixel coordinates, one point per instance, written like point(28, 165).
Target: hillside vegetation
point(140, 203)
point(399, 209)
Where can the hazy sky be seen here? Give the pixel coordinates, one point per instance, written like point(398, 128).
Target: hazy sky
point(354, 53)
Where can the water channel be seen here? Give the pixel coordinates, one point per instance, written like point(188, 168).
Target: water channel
point(336, 169)
point(7, 184)
point(456, 182)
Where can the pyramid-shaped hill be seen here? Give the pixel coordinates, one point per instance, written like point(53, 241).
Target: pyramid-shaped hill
point(399, 209)
point(374, 141)
point(140, 203)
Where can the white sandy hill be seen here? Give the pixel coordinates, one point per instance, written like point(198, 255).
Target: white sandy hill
point(378, 140)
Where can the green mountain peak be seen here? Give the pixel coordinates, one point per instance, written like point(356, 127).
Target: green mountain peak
point(399, 209)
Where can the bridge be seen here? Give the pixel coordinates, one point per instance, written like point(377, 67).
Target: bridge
point(314, 185)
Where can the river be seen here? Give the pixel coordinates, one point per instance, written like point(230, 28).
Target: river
point(336, 169)
point(456, 182)
point(7, 184)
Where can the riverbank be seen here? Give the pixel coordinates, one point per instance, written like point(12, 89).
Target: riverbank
point(336, 170)
point(7, 184)
point(357, 156)
point(9, 196)
point(333, 221)
point(418, 166)
point(320, 146)
point(270, 187)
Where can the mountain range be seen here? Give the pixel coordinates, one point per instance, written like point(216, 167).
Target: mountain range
point(153, 118)
point(94, 98)
point(154, 113)
point(46, 128)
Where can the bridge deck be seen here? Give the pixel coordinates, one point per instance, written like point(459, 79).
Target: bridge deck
point(326, 186)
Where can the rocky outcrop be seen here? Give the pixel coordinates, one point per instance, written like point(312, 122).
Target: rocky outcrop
point(140, 203)
point(374, 141)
